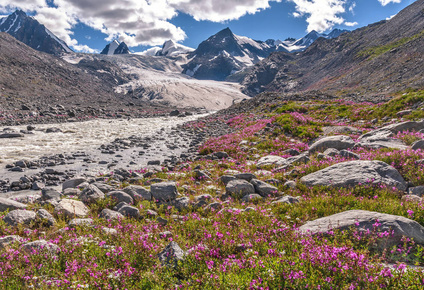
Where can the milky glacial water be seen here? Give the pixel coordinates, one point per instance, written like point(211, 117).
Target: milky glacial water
point(80, 136)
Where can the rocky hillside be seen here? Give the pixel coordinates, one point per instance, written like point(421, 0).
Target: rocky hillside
point(379, 59)
point(32, 79)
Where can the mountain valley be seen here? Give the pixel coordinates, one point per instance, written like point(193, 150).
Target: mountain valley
point(241, 164)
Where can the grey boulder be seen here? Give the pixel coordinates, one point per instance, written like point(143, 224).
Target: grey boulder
point(40, 246)
point(71, 208)
point(418, 145)
point(120, 196)
point(129, 211)
point(339, 142)
point(138, 192)
point(164, 191)
point(238, 188)
point(91, 194)
point(271, 160)
point(44, 215)
point(354, 173)
point(73, 183)
point(9, 204)
point(367, 220)
point(263, 188)
point(417, 190)
point(19, 216)
point(109, 214)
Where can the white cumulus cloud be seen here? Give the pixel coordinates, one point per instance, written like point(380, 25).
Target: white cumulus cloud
point(219, 10)
point(351, 24)
point(385, 2)
point(321, 15)
point(137, 22)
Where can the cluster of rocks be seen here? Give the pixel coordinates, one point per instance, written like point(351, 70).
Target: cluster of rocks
point(246, 187)
point(38, 181)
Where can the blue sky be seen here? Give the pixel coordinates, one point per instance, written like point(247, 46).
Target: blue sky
point(88, 25)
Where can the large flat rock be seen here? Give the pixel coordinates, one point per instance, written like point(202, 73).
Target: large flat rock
point(354, 173)
point(339, 142)
point(363, 220)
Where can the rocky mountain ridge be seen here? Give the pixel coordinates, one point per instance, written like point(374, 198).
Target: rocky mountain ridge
point(116, 47)
point(225, 53)
point(379, 59)
point(28, 30)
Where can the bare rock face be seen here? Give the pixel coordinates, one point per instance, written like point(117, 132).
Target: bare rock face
point(354, 173)
point(339, 142)
point(369, 220)
point(71, 208)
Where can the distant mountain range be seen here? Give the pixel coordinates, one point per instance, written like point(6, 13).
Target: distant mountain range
point(28, 30)
point(216, 58)
point(225, 53)
point(379, 59)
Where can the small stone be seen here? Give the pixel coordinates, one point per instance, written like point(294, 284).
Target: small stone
point(417, 190)
point(80, 222)
point(287, 199)
point(171, 255)
point(411, 198)
point(7, 240)
point(162, 221)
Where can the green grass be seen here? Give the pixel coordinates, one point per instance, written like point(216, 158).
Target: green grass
point(376, 51)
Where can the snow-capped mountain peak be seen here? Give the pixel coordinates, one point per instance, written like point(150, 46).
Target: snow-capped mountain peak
point(115, 47)
point(28, 30)
point(171, 49)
